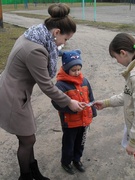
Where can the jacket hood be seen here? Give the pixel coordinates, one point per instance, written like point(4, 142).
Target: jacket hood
point(63, 76)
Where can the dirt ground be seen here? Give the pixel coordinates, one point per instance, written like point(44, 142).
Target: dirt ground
point(104, 157)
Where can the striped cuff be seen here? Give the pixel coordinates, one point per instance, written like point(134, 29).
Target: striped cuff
point(106, 103)
point(132, 143)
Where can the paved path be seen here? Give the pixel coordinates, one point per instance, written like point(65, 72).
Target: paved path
point(20, 20)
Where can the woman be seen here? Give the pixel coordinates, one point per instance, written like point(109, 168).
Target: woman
point(32, 60)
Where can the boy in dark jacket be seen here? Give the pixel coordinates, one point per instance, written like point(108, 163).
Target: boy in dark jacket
point(70, 80)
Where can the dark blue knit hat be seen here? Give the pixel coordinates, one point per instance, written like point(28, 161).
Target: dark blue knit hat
point(70, 59)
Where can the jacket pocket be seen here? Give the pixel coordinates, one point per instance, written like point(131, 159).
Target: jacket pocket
point(26, 99)
point(21, 102)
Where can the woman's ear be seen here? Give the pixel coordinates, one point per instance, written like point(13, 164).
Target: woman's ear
point(56, 32)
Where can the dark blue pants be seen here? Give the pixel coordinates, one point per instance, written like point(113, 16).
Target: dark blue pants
point(73, 141)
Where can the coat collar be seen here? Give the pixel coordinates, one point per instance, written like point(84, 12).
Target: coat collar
point(126, 72)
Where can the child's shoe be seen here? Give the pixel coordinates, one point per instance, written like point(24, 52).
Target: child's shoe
point(68, 168)
point(79, 166)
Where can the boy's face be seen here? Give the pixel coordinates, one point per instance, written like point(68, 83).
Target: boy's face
point(75, 70)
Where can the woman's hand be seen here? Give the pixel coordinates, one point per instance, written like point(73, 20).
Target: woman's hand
point(76, 106)
point(98, 105)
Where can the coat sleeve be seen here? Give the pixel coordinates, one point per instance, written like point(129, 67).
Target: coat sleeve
point(114, 101)
point(37, 63)
point(91, 96)
point(132, 130)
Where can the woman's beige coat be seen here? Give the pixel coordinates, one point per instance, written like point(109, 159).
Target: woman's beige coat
point(26, 66)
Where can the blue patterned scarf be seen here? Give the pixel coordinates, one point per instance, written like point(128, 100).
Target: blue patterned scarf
point(40, 34)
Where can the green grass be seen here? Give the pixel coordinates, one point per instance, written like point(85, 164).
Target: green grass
point(8, 36)
point(108, 25)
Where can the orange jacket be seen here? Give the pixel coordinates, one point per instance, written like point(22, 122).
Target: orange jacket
point(77, 88)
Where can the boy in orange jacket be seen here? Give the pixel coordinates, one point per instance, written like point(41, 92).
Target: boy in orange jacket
point(70, 80)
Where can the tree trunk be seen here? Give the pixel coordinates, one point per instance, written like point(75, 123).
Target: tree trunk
point(1, 17)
